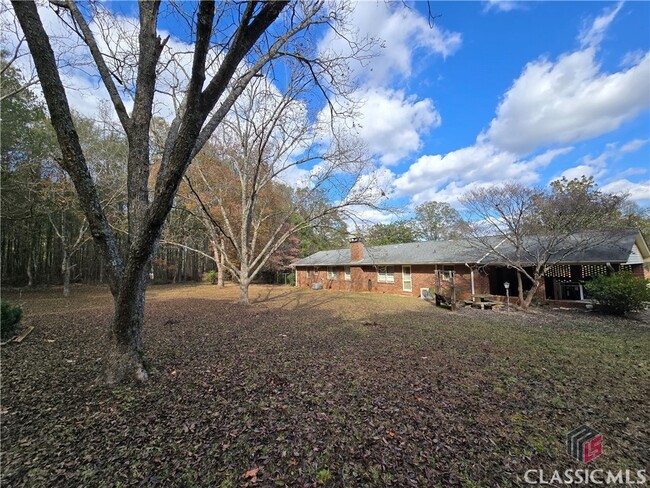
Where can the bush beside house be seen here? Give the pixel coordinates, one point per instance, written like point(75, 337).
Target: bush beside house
point(619, 293)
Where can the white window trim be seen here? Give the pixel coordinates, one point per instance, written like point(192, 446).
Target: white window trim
point(409, 281)
point(331, 274)
point(385, 274)
point(347, 275)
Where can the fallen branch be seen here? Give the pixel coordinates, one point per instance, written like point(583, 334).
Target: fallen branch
point(22, 336)
point(7, 341)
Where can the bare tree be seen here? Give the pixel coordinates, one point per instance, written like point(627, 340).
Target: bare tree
point(532, 229)
point(240, 180)
point(106, 152)
point(9, 29)
point(232, 43)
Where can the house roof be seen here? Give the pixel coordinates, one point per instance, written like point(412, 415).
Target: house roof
point(580, 248)
point(605, 248)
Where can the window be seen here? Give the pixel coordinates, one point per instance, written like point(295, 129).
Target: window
point(385, 274)
point(445, 272)
point(308, 272)
point(331, 273)
point(346, 273)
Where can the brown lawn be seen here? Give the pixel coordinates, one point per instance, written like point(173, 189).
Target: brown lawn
point(306, 388)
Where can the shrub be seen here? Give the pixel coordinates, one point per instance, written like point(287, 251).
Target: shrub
point(291, 279)
point(211, 277)
point(619, 293)
point(9, 318)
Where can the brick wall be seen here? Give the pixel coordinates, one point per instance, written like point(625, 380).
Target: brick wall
point(366, 278)
point(637, 270)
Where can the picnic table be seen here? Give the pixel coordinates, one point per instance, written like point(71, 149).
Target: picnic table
point(486, 302)
point(485, 297)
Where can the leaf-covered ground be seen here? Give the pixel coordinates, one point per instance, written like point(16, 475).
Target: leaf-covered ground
point(306, 388)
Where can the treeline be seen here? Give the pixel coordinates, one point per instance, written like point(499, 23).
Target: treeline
point(44, 234)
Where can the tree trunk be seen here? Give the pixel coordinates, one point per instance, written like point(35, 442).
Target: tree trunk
point(65, 270)
point(30, 276)
point(520, 291)
point(531, 293)
point(126, 357)
point(243, 291)
point(221, 266)
point(219, 259)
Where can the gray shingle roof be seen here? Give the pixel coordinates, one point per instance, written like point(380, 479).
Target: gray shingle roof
point(588, 247)
point(428, 252)
point(607, 249)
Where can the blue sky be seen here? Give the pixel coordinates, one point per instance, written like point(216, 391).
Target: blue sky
point(492, 92)
point(525, 91)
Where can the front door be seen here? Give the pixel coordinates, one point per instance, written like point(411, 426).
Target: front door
point(407, 284)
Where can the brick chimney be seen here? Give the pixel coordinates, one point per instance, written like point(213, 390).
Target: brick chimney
point(356, 249)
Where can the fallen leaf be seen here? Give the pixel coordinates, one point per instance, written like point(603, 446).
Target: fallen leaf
point(252, 474)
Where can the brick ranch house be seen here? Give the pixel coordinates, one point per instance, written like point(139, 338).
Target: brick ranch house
point(405, 269)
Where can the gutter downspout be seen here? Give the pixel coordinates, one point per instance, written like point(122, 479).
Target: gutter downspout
point(471, 277)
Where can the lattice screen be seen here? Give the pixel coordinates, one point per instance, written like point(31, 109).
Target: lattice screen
point(559, 271)
point(590, 270)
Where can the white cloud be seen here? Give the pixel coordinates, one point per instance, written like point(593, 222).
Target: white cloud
point(633, 145)
point(582, 170)
point(551, 104)
point(567, 101)
point(295, 177)
point(592, 35)
point(391, 123)
point(400, 32)
point(545, 158)
point(445, 178)
point(632, 172)
point(598, 166)
point(572, 98)
point(502, 5)
point(632, 58)
point(360, 217)
point(638, 192)
point(374, 187)
point(117, 37)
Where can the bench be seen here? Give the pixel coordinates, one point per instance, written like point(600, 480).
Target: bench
point(442, 301)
